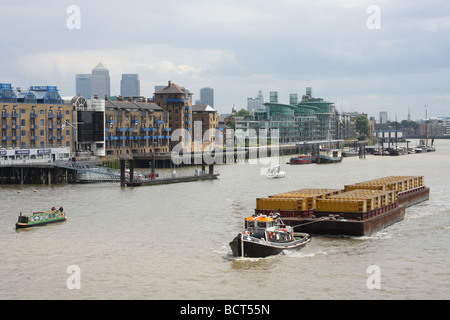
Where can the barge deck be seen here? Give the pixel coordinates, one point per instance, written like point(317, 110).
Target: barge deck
point(359, 210)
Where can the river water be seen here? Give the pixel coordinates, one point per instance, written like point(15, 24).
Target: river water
point(171, 241)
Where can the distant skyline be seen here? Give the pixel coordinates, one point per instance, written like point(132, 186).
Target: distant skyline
point(363, 56)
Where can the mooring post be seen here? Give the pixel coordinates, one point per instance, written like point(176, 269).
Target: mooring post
point(211, 169)
point(131, 162)
point(122, 172)
point(153, 163)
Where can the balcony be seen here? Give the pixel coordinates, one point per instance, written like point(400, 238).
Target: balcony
point(5, 114)
point(33, 115)
point(14, 114)
point(15, 126)
point(60, 115)
point(52, 138)
point(15, 138)
point(176, 100)
point(6, 138)
point(34, 127)
point(34, 138)
point(61, 137)
point(6, 126)
point(51, 115)
point(51, 127)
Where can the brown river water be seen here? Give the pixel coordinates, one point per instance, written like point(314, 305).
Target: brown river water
point(171, 241)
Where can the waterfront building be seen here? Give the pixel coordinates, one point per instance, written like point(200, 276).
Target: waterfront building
point(207, 96)
point(100, 81)
point(130, 85)
point(177, 102)
point(83, 85)
point(35, 118)
point(209, 119)
point(90, 124)
point(136, 127)
point(309, 120)
point(255, 103)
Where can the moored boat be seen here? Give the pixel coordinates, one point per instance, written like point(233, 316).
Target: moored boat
point(302, 159)
point(40, 218)
point(329, 155)
point(266, 235)
point(350, 153)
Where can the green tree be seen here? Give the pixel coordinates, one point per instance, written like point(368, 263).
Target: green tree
point(242, 113)
point(362, 126)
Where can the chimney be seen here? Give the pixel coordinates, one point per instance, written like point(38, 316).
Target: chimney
point(170, 83)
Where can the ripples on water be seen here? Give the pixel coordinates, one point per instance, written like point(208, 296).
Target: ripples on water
point(171, 241)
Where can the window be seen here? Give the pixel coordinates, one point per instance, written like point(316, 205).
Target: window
point(41, 112)
point(67, 132)
point(67, 112)
point(42, 122)
point(42, 133)
point(23, 122)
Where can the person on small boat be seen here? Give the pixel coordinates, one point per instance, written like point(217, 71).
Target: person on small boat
point(61, 209)
point(53, 208)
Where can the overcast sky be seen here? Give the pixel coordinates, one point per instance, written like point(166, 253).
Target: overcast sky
point(347, 52)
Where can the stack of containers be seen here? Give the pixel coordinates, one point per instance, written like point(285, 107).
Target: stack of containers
point(294, 201)
point(357, 201)
point(398, 183)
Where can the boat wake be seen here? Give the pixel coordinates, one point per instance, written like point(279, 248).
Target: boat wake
point(302, 254)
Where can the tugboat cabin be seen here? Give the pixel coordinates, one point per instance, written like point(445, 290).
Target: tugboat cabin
point(260, 222)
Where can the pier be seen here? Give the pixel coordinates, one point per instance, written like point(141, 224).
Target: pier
point(129, 180)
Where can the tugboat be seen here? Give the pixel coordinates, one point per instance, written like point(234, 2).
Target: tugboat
point(266, 235)
point(302, 159)
point(40, 218)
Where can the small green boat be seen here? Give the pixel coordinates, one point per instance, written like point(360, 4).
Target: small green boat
point(40, 218)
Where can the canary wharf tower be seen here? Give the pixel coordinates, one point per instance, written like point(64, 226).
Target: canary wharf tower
point(100, 81)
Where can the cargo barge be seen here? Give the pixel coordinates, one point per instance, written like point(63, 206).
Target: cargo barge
point(360, 209)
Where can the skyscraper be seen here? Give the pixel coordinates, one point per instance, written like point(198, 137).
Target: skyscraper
point(207, 96)
point(130, 85)
point(83, 85)
point(383, 117)
point(255, 103)
point(100, 81)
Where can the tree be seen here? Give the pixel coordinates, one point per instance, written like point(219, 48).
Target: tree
point(362, 125)
point(242, 113)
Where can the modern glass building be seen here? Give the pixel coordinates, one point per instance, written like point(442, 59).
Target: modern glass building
point(83, 85)
point(207, 96)
point(130, 85)
point(100, 81)
point(312, 119)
